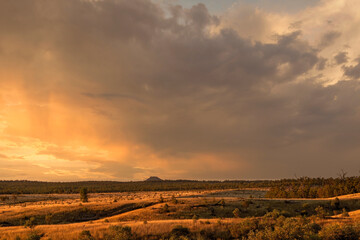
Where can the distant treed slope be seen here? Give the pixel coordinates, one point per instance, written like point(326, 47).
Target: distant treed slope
point(33, 187)
point(315, 188)
point(285, 188)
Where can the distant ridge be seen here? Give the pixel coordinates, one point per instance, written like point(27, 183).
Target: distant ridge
point(153, 179)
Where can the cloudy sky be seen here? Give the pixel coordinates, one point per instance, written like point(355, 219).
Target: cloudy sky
point(195, 89)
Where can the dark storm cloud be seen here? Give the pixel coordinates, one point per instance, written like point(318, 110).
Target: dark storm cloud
point(321, 64)
point(116, 169)
point(200, 93)
point(329, 38)
point(341, 58)
point(111, 96)
point(353, 71)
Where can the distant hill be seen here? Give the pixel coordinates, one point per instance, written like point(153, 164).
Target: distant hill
point(153, 179)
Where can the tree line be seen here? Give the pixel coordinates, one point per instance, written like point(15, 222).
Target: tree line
point(36, 187)
point(304, 187)
point(315, 187)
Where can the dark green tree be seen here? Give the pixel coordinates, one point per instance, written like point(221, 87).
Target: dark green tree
point(84, 195)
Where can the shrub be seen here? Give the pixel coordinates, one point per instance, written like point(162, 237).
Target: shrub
point(335, 204)
point(274, 214)
point(118, 233)
point(314, 227)
point(4, 198)
point(212, 211)
point(222, 234)
point(174, 200)
point(30, 223)
point(242, 229)
point(86, 235)
point(320, 212)
point(285, 213)
point(344, 213)
point(304, 213)
point(336, 212)
point(246, 203)
point(287, 229)
point(305, 205)
point(34, 236)
point(165, 208)
point(339, 232)
point(204, 235)
point(179, 231)
point(48, 219)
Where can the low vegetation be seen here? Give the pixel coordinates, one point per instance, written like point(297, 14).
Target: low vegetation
point(284, 212)
point(266, 228)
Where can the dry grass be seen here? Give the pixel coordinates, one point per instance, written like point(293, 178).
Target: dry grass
point(50, 204)
point(156, 221)
point(348, 196)
point(97, 229)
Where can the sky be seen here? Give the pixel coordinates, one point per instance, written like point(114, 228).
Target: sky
point(179, 89)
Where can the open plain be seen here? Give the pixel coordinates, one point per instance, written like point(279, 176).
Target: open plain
point(154, 215)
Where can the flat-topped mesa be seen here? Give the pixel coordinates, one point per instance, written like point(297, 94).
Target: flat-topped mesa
point(153, 179)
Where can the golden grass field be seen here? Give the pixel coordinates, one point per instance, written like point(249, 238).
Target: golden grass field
point(143, 212)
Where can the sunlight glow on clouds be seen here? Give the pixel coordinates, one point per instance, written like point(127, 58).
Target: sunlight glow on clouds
point(120, 90)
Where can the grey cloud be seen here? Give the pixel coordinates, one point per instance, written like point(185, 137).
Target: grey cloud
point(111, 96)
point(202, 94)
point(329, 38)
point(199, 17)
point(249, 21)
point(321, 65)
point(341, 58)
point(353, 71)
